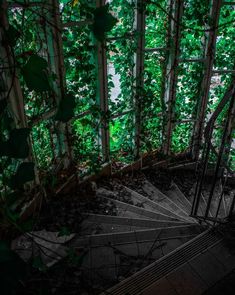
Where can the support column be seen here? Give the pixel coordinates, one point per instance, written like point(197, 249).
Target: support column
point(103, 93)
point(172, 69)
point(56, 60)
point(140, 24)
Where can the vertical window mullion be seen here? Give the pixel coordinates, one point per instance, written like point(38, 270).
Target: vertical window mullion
point(171, 72)
point(206, 82)
point(103, 93)
point(140, 26)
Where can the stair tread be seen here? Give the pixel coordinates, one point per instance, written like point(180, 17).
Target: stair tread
point(142, 222)
point(157, 270)
point(136, 209)
point(138, 235)
point(176, 195)
point(164, 200)
point(155, 206)
point(123, 260)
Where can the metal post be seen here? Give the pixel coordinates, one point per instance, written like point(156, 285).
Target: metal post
point(172, 75)
point(140, 24)
point(226, 136)
point(209, 61)
point(56, 60)
point(103, 93)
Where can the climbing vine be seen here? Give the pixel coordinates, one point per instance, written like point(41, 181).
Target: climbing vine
point(31, 35)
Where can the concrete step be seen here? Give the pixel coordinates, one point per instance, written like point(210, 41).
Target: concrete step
point(106, 265)
point(227, 201)
point(202, 203)
point(121, 238)
point(111, 257)
point(215, 202)
point(99, 224)
point(132, 208)
point(140, 222)
point(157, 196)
point(153, 205)
point(149, 280)
point(176, 195)
point(199, 274)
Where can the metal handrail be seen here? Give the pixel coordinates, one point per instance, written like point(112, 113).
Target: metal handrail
point(229, 95)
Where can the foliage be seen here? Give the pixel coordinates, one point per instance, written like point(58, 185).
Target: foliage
point(16, 146)
point(24, 173)
point(29, 40)
point(34, 74)
point(121, 80)
point(14, 269)
point(30, 33)
point(103, 22)
point(65, 110)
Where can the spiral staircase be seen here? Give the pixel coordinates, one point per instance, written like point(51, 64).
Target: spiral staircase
point(146, 241)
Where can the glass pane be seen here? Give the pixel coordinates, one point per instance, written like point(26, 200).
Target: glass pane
point(124, 12)
point(76, 10)
point(188, 90)
point(181, 137)
point(121, 79)
point(44, 144)
point(194, 21)
point(156, 23)
point(122, 138)
point(225, 51)
point(153, 105)
point(80, 65)
point(86, 143)
point(34, 22)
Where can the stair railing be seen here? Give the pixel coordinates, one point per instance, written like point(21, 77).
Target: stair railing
point(219, 171)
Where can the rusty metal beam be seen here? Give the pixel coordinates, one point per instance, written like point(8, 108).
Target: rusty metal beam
point(156, 49)
point(223, 71)
point(228, 3)
point(197, 59)
point(77, 23)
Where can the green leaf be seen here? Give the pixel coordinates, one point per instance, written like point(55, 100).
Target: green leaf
point(27, 225)
point(12, 198)
point(103, 22)
point(3, 86)
point(74, 258)
point(12, 268)
point(38, 263)
point(24, 173)
point(7, 122)
point(3, 105)
point(66, 109)
point(64, 231)
point(11, 36)
point(17, 145)
point(35, 74)
point(11, 215)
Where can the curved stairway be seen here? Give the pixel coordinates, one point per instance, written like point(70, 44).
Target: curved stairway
point(143, 236)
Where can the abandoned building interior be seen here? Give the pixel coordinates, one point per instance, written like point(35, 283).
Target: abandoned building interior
point(117, 147)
